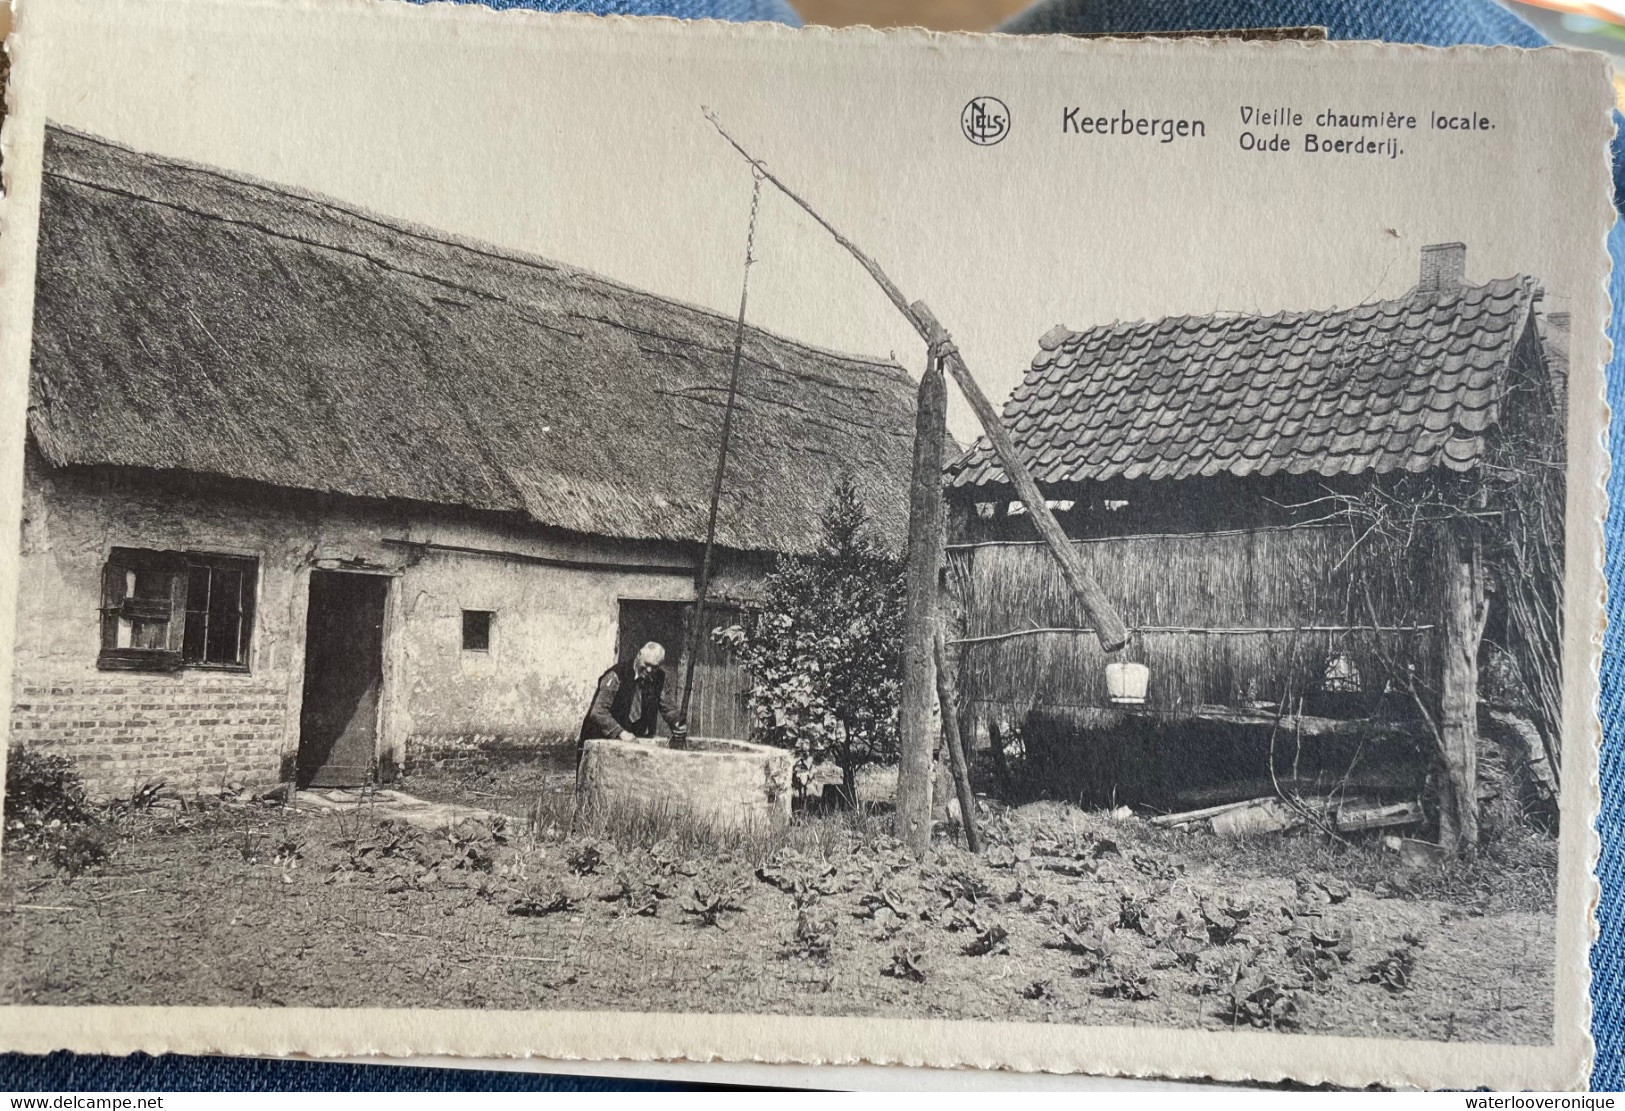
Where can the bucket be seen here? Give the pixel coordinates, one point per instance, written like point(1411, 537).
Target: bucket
point(1126, 683)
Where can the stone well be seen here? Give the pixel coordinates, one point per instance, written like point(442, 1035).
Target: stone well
point(720, 783)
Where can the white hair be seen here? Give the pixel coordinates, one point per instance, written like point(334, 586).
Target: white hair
point(652, 654)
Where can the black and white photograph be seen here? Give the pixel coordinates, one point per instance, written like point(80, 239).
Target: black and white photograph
point(897, 527)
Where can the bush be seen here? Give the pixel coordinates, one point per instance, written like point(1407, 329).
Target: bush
point(825, 653)
point(83, 847)
point(45, 796)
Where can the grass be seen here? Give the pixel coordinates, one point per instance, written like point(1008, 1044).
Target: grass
point(554, 816)
point(1516, 870)
point(657, 912)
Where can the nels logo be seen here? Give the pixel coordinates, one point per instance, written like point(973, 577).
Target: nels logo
point(985, 121)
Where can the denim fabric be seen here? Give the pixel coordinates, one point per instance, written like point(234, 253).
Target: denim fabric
point(1437, 23)
point(1440, 23)
point(738, 11)
point(1448, 23)
point(1608, 953)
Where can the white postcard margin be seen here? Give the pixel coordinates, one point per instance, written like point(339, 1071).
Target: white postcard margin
point(1136, 1051)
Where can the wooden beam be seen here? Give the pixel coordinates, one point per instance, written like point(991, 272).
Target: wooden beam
point(949, 703)
point(916, 739)
point(1459, 569)
point(1108, 626)
point(1110, 630)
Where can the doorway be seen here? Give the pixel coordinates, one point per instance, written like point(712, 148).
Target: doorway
point(344, 673)
point(718, 707)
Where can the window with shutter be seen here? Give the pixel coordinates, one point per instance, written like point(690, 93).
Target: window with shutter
point(165, 610)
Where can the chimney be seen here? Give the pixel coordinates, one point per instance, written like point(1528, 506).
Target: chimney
point(1444, 265)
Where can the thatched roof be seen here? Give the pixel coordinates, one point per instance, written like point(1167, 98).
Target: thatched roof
point(1404, 384)
point(194, 319)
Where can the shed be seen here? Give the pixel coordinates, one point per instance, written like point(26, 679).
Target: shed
point(1262, 497)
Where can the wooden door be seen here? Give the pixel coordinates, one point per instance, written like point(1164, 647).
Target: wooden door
point(717, 708)
point(344, 658)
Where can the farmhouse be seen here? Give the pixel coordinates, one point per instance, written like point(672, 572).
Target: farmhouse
point(1318, 525)
point(311, 493)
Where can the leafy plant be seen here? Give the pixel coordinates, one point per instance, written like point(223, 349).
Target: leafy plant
point(1126, 980)
point(639, 892)
point(45, 795)
point(540, 900)
point(888, 908)
point(1262, 1001)
point(1188, 952)
point(965, 889)
point(990, 939)
point(1320, 951)
point(1154, 868)
point(288, 852)
point(668, 860)
point(1225, 920)
point(824, 653)
point(1131, 906)
point(907, 963)
point(83, 847)
point(1030, 895)
point(1394, 971)
point(711, 901)
point(814, 935)
point(1321, 890)
point(1075, 933)
point(589, 858)
point(472, 843)
point(804, 880)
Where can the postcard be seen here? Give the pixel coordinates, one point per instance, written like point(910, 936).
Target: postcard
point(621, 539)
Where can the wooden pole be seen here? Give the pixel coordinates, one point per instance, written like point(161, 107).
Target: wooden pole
point(1463, 607)
point(1108, 626)
point(949, 701)
point(916, 737)
point(702, 584)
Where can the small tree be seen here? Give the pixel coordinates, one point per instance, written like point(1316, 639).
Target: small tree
point(824, 653)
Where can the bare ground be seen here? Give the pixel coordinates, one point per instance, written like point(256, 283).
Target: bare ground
point(1072, 917)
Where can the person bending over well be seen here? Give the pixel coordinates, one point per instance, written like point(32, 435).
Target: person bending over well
point(630, 698)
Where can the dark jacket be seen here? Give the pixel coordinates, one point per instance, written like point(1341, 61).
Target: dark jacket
point(612, 703)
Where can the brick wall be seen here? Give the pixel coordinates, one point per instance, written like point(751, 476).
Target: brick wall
point(193, 731)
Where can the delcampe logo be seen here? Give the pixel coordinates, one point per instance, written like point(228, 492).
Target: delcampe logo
point(985, 121)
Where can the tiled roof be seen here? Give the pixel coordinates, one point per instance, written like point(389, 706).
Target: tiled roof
point(1405, 384)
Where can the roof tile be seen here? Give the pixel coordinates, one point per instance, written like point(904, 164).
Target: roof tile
point(1409, 383)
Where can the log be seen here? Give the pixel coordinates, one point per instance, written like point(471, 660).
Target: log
point(1460, 574)
point(1189, 816)
point(956, 747)
point(1523, 737)
point(916, 738)
point(1351, 819)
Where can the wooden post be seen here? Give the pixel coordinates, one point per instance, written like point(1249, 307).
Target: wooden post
point(1108, 626)
point(916, 738)
point(1463, 609)
point(1001, 762)
point(949, 702)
